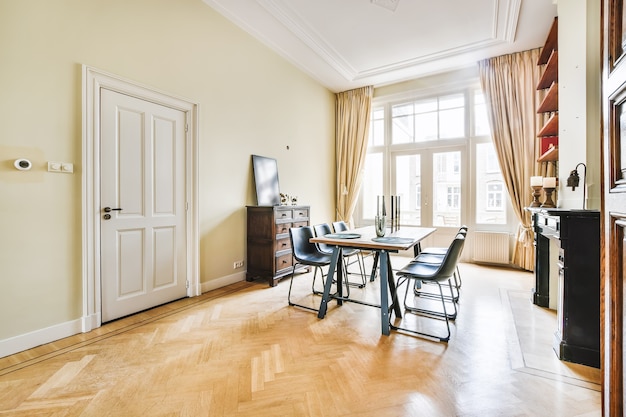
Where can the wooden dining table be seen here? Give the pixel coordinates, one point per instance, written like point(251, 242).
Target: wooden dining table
point(365, 238)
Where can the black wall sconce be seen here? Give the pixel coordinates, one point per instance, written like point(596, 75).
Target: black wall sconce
point(574, 180)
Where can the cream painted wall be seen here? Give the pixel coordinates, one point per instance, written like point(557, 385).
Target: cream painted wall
point(580, 129)
point(447, 80)
point(251, 101)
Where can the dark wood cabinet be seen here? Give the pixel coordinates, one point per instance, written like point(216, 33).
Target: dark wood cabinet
point(575, 237)
point(268, 243)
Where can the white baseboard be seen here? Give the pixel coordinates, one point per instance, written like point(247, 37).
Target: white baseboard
point(85, 324)
point(223, 281)
point(91, 322)
point(39, 337)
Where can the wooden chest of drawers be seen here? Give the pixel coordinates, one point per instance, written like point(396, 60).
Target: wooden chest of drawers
point(268, 243)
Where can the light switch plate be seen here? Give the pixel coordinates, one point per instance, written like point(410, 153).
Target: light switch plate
point(54, 166)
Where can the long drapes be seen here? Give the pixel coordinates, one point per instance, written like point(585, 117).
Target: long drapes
point(353, 120)
point(509, 84)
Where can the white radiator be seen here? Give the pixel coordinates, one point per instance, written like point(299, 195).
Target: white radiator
point(491, 247)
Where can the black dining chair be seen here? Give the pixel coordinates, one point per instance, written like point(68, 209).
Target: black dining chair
point(306, 253)
point(437, 273)
point(440, 252)
point(323, 229)
point(341, 226)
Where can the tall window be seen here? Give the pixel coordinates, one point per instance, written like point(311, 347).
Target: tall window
point(447, 189)
point(435, 152)
point(490, 188)
point(377, 127)
point(372, 183)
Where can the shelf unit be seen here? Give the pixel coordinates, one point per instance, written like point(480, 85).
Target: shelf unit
point(549, 132)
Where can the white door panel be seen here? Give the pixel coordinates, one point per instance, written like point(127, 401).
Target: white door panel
point(143, 175)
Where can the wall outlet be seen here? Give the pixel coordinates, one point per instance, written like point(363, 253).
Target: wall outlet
point(238, 264)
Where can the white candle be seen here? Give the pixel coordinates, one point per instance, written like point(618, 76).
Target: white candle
point(549, 182)
point(536, 181)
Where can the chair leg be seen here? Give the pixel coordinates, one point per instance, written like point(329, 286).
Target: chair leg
point(454, 296)
point(444, 298)
point(444, 315)
point(293, 271)
point(361, 269)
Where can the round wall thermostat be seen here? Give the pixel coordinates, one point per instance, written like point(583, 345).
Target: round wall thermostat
point(23, 164)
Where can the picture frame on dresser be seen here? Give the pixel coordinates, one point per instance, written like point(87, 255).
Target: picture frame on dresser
point(266, 180)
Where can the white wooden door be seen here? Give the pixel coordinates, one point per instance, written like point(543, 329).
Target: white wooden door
point(142, 183)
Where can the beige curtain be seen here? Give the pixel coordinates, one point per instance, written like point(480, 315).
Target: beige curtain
point(509, 84)
point(353, 121)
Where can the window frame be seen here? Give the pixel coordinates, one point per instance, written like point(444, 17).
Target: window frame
point(467, 145)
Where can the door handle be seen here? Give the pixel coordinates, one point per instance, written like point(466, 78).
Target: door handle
point(109, 209)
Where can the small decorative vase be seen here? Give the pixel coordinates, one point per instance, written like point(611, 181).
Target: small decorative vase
point(379, 225)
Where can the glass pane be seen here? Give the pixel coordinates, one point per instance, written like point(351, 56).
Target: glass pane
point(452, 102)
point(377, 128)
point(402, 109)
point(426, 127)
point(377, 133)
point(402, 129)
point(424, 106)
point(481, 120)
point(447, 189)
point(372, 183)
point(408, 187)
point(490, 187)
point(452, 123)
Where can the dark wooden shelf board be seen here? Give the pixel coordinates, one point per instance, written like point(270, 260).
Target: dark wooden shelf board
point(551, 128)
point(551, 43)
point(551, 72)
point(550, 102)
point(550, 155)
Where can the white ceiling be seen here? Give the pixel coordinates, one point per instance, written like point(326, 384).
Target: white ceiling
point(346, 44)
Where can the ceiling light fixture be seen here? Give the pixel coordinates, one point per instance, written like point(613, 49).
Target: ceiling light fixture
point(387, 4)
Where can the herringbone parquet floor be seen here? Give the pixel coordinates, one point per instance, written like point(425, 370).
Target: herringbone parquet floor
point(241, 351)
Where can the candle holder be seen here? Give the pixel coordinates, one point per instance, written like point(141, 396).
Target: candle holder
point(536, 195)
point(548, 203)
point(379, 225)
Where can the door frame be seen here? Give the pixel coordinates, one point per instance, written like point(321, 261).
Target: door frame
point(93, 80)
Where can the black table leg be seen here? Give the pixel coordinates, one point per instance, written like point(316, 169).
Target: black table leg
point(384, 296)
point(339, 269)
point(373, 276)
point(393, 289)
point(329, 282)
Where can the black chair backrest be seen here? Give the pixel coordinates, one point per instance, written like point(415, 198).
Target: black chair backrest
point(302, 248)
point(448, 265)
point(340, 226)
point(321, 230)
